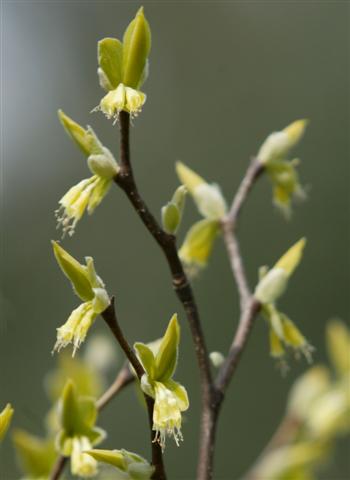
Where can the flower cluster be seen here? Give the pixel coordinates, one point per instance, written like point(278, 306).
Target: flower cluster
point(282, 172)
point(90, 192)
point(123, 68)
point(211, 204)
point(78, 432)
point(89, 287)
point(318, 410)
point(170, 398)
point(283, 332)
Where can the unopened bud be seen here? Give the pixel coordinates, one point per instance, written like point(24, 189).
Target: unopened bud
point(278, 144)
point(217, 359)
point(271, 286)
point(170, 218)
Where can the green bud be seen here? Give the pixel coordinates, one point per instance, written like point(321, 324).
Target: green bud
point(179, 197)
point(110, 60)
point(170, 218)
point(77, 133)
point(273, 283)
point(291, 259)
point(136, 48)
point(166, 358)
point(217, 359)
point(172, 211)
point(278, 144)
point(271, 286)
point(75, 272)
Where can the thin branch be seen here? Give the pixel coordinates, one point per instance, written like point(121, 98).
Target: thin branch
point(235, 259)
point(124, 378)
point(238, 344)
point(167, 243)
point(125, 179)
point(110, 317)
point(58, 467)
point(249, 305)
point(254, 170)
point(249, 309)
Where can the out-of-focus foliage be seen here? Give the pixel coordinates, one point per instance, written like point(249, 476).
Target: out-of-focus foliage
point(318, 412)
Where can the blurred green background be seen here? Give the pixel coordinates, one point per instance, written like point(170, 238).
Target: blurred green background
point(223, 75)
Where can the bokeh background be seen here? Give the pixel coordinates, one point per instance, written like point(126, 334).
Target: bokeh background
point(223, 75)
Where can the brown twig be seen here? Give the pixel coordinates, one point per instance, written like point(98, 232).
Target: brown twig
point(249, 305)
point(110, 317)
point(125, 179)
point(212, 393)
point(124, 378)
point(240, 339)
point(249, 308)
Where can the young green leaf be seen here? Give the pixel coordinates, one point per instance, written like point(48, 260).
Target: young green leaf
point(146, 357)
point(110, 59)
point(136, 48)
point(75, 272)
point(166, 358)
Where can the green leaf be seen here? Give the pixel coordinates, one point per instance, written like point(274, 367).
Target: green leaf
point(199, 242)
point(110, 59)
point(75, 272)
point(136, 47)
point(111, 457)
point(87, 412)
point(166, 358)
point(69, 410)
point(77, 133)
point(36, 455)
point(146, 357)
